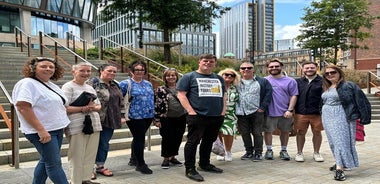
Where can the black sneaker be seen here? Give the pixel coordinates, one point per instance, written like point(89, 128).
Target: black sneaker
point(257, 157)
point(339, 175)
point(144, 169)
point(210, 168)
point(174, 161)
point(247, 156)
point(165, 164)
point(194, 175)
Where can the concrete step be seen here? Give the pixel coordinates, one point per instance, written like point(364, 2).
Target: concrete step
point(121, 139)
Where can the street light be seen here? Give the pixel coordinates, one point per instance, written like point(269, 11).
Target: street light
point(252, 54)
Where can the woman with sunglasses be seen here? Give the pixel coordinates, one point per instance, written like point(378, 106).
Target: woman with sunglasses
point(343, 103)
point(170, 117)
point(228, 130)
point(40, 107)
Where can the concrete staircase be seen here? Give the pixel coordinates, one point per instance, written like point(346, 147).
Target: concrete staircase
point(375, 104)
point(11, 63)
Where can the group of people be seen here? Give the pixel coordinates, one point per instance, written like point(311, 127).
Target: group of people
point(211, 105)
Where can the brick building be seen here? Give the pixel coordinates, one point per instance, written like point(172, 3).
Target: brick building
point(368, 59)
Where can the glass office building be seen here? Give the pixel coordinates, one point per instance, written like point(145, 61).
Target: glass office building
point(248, 27)
point(194, 40)
point(53, 17)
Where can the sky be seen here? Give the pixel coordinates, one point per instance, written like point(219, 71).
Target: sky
point(287, 14)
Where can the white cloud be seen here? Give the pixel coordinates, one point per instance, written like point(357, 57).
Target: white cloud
point(287, 31)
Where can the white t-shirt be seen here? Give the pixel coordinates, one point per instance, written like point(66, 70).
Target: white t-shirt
point(47, 105)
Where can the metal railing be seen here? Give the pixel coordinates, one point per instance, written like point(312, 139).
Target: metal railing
point(371, 83)
point(71, 38)
point(56, 48)
point(13, 126)
point(150, 62)
point(19, 40)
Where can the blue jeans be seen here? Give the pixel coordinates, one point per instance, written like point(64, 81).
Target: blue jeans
point(50, 164)
point(104, 146)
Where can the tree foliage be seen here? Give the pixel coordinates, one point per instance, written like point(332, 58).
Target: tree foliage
point(335, 24)
point(166, 15)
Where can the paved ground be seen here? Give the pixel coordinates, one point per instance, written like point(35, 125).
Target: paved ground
point(237, 171)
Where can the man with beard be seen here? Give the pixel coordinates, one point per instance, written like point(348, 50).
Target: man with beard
point(281, 108)
point(307, 110)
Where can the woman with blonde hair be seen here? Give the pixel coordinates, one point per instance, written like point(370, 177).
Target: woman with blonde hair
point(229, 127)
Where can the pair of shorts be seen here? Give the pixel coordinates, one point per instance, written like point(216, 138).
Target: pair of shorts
point(302, 122)
point(282, 123)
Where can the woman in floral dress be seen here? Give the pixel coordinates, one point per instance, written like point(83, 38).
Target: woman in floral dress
point(229, 128)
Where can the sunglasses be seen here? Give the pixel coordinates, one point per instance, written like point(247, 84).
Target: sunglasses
point(276, 66)
point(229, 75)
point(246, 68)
point(330, 73)
point(39, 59)
point(170, 69)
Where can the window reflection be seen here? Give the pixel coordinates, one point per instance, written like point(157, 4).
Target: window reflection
point(53, 28)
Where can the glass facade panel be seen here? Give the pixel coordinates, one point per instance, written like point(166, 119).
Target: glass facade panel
point(52, 5)
point(67, 6)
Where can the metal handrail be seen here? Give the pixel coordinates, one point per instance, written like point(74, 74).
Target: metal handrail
point(14, 130)
point(370, 84)
point(28, 40)
point(130, 50)
point(56, 49)
point(70, 35)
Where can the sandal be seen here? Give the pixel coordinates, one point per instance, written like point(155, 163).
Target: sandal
point(93, 176)
point(104, 171)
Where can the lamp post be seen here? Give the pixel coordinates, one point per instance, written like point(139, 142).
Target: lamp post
point(252, 54)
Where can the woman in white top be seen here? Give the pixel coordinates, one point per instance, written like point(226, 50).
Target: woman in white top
point(40, 107)
point(83, 145)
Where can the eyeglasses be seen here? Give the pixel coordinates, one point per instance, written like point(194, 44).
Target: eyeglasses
point(139, 70)
point(330, 73)
point(246, 68)
point(229, 75)
point(275, 66)
point(39, 59)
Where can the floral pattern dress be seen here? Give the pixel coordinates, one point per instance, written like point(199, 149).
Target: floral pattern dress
point(229, 126)
point(340, 132)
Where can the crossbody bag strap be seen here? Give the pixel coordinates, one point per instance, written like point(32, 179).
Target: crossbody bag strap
point(63, 99)
point(175, 96)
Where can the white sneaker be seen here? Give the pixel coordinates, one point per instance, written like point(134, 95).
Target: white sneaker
point(318, 157)
point(219, 158)
point(299, 157)
point(228, 157)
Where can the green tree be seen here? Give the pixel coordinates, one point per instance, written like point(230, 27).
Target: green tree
point(335, 24)
point(167, 15)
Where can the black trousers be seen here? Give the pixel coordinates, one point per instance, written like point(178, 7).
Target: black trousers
point(203, 130)
point(252, 125)
point(138, 128)
point(171, 131)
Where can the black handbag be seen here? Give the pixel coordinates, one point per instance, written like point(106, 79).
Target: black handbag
point(87, 129)
point(83, 99)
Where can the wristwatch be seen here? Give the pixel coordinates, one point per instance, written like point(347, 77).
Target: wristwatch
point(289, 110)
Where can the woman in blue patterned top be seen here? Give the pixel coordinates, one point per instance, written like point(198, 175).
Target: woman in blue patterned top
point(141, 112)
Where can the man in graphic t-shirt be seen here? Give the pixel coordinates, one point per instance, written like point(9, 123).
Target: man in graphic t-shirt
point(202, 94)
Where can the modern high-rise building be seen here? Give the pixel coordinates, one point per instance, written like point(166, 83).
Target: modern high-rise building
point(248, 28)
point(194, 40)
point(53, 17)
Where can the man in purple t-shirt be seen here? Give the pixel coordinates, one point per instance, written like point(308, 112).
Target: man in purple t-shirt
point(281, 108)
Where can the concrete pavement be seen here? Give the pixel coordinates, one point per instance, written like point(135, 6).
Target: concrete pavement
point(238, 171)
